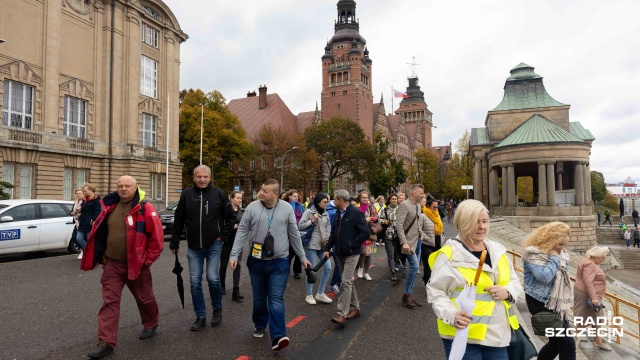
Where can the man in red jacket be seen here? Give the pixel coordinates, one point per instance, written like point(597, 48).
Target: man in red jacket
point(126, 237)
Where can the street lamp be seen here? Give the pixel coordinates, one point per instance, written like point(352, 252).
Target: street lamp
point(282, 168)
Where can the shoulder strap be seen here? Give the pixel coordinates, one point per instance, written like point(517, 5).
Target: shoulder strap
point(143, 204)
point(406, 231)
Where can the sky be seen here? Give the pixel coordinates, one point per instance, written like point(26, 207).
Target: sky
point(587, 51)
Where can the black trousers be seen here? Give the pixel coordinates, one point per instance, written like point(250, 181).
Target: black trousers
point(565, 347)
point(297, 266)
point(424, 255)
point(224, 262)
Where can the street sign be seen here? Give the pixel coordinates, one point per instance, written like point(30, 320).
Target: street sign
point(236, 187)
point(467, 187)
point(177, 190)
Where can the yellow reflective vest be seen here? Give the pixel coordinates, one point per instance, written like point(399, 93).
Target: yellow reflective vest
point(485, 304)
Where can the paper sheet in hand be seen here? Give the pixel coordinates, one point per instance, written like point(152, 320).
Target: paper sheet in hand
point(465, 302)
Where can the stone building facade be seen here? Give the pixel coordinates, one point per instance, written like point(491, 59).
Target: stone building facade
point(90, 93)
point(529, 135)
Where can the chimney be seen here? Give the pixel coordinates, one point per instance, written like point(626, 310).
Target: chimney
point(251, 94)
point(262, 97)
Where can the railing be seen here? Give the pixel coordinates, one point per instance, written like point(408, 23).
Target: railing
point(25, 136)
point(615, 301)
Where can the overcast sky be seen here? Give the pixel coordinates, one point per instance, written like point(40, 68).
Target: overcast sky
point(587, 51)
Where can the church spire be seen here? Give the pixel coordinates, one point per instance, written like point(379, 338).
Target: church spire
point(347, 15)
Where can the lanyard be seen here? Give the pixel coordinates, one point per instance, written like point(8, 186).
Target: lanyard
point(269, 219)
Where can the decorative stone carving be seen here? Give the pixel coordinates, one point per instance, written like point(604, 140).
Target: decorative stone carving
point(77, 88)
point(150, 52)
point(20, 71)
point(82, 7)
point(150, 106)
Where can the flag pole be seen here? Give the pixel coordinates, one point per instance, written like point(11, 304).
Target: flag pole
point(392, 96)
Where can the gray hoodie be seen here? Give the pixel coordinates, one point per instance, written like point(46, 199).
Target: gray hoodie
point(254, 226)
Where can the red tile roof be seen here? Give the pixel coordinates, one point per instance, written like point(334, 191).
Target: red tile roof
point(252, 118)
point(411, 131)
point(304, 119)
point(394, 120)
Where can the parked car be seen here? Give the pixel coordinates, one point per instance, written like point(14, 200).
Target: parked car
point(166, 217)
point(36, 225)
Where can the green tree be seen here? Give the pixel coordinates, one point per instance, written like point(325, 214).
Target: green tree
point(525, 188)
point(426, 170)
point(610, 201)
point(459, 170)
point(399, 171)
point(342, 146)
point(224, 139)
point(381, 174)
point(5, 185)
point(598, 188)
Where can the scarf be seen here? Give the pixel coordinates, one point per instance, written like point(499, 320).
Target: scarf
point(435, 217)
point(560, 299)
point(363, 207)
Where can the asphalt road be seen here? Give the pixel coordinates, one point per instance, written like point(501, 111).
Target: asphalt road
point(49, 310)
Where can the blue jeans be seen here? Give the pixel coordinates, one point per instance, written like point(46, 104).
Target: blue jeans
point(313, 256)
point(418, 251)
point(81, 239)
point(411, 275)
point(478, 352)
point(336, 279)
point(268, 282)
point(196, 259)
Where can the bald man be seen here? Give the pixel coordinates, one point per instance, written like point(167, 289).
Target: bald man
point(126, 238)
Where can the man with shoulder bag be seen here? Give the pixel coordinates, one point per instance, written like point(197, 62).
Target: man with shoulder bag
point(408, 234)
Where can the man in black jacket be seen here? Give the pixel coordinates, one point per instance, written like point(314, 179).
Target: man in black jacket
point(348, 231)
point(207, 215)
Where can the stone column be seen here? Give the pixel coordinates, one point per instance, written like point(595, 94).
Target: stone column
point(486, 198)
point(48, 121)
point(511, 191)
point(505, 186)
point(477, 180)
point(494, 197)
point(542, 184)
point(559, 182)
point(578, 180)
point(551, 185)
point(587, 184)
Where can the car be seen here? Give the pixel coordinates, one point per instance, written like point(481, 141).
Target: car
point(36, 225)
point(166, 217)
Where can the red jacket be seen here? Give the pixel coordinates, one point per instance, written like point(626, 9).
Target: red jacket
point(145, 236)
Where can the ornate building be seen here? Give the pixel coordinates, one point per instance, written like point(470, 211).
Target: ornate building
point(529, 135)
point(90, 93)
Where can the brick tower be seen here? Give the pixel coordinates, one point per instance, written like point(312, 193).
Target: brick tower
point(346, 72)
point(414, 110)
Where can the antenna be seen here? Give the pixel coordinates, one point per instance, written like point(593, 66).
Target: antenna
point(414, 67)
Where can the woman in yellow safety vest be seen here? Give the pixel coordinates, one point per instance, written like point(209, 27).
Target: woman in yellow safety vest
point(453, 266)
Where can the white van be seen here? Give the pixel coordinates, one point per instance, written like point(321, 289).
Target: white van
point(36, 225)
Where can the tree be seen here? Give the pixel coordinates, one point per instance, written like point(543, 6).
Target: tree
point(342, 146)
point(399, 171)
point(610, 201)
point(598, 188)
point(224, 139)
point(459, 170)
point(5, 185)
point(525, 188)
point(381, 174)
point(426, 170)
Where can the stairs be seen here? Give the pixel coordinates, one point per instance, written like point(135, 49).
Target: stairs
point(629, 259)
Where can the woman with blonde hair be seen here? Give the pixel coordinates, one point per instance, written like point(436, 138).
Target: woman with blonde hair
point(454, 265)
point(590, 287)
point(547, 285)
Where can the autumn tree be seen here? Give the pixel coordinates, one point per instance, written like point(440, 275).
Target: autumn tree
point(525, 188)
point(459, 170)
point(224, 139)
point(381, 174)
point(426, 170)
point(598, 187)
point(342, 147)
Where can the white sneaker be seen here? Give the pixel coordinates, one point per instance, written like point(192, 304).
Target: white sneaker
point(367, 277)
point(336, 289)
point(323, 298)
point(310, 300)
point(80, 256)
point(360, 271)
point(418, 272)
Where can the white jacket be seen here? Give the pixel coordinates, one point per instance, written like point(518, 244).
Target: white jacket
point(323, 226)
point(445, 278)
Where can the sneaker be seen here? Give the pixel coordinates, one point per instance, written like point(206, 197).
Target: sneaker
point(101, 351)
point(360, 275)
point(323, 298)
point(418, 272)
point(310, 300)
point(367, 277)
point(258, 333)
point(80, 256)
point(378, 243)
point(381, 243)
point(397, 268)
point(280, 344)
point(335, 288)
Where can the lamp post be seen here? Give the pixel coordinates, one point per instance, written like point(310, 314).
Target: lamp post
point(282, 168)
point(201, 129)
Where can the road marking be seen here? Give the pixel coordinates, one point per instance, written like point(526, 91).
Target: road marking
point(295, 321)
point(243, 357)
point(331, 295)
point(381, 258)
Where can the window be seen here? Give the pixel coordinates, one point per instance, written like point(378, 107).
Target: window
point(240, 167)
point(50, 211)
point(22, 212)
point(148, 77)
point(344, 92)
point(230, 162)
point(149, 35)
point(252, 165)
point(8, 175)
point(149, 130)
point(17, 105)
point(263, 164)
point(156, 186)
point(75, 117)
point(73, 179)
point(26, 179)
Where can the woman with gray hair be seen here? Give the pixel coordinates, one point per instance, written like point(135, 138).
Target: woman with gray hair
point(589, 289)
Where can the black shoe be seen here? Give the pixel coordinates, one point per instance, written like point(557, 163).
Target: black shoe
point(148, 333)
point(216, 318)
point(236, 294)
point(224, 290)
point(198, 324)
point(393, 276)
point(102, 351)
point(296, 276)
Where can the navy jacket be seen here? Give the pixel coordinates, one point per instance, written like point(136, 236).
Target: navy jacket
point(88, 213)
point(348, 234)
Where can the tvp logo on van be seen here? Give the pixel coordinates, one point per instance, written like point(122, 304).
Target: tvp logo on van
point(12, 234)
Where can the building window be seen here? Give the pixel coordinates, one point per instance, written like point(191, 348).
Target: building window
point(26, 180)
point(150, 12)
point(9, 175)
point(149, 123)
point(156, 186)
point(240, 167)
point(263, 164)
point(148, 77)
point(338, 105)
point(150, 35)
point(230, 162)
point(73, 179)
point(344, 92)
point(17, 105)
point(252, 165)
point(333, 93)
point(75, 117)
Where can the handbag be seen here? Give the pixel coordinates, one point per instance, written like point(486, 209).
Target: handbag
point(367, 247)
point(375, 227)
point(543, 320)
point(521, 347)
point(306, 234)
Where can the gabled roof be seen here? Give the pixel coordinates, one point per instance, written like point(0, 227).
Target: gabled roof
point(524, 90)
point(538, 130)
point(412, 129)
point(394, 121)
point(253, 118)
point(479, 136)
point(578, 130)
point(304, 119)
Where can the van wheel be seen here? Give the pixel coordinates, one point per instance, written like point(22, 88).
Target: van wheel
point(73, 248)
